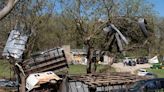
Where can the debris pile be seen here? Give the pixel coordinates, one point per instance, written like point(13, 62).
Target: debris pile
point(49, 60)
point(115, 78)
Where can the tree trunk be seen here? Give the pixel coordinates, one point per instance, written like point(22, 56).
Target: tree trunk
point(23, 83)
point(89, 58)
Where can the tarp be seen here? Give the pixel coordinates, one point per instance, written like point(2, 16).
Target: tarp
point(154, 60)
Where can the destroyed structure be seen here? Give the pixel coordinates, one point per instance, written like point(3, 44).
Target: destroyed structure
point(35, 71)
point(38, 72)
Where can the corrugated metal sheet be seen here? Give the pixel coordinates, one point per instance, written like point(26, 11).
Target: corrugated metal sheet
point(15, 44)
point(142, 24)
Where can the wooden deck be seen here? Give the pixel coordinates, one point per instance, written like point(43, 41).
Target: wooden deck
point(106, 79)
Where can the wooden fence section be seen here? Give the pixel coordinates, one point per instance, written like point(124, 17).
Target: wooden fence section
point(50, 60)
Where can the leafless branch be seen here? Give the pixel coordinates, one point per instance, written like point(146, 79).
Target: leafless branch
point(108, 8)
point(6, 10)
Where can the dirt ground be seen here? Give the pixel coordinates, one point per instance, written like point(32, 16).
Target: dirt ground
point(120, 67)
point(2, 90)
point(8, 90)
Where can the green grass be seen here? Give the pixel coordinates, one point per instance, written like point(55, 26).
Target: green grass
point(158, 72)
point(81, 69)
point(5, 71)
point(77, 69)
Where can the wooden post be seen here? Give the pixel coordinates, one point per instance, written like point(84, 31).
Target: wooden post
point(63, 86)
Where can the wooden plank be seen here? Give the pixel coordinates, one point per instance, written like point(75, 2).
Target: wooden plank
point(107, 79)
point(33, 61)
point(47, 68)
point(121, 35)
point(119, 42)
point(48, 63)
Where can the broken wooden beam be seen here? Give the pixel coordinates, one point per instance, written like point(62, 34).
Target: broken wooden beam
point(121, 35)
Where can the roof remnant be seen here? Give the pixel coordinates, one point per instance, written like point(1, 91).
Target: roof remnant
point(106, 79)
point(36, 79)
point(15, 45)
point(142, 24)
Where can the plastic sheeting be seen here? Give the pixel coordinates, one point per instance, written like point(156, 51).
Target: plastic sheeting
point(7, 83)
point(154, 60)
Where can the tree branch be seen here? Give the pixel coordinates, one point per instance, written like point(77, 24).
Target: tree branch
point(136, 46)
point(6, 10)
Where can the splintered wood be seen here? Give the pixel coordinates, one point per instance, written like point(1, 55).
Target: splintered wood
point(108, 79)
point(50, 60)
